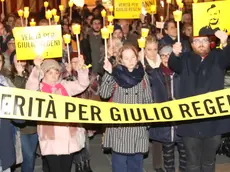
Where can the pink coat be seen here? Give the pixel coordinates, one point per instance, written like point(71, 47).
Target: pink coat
point(58, 138)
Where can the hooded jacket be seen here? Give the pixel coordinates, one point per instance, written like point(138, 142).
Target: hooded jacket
point(60, 139)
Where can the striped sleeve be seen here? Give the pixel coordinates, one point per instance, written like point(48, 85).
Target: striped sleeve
point(147, 91)
point(107, 86)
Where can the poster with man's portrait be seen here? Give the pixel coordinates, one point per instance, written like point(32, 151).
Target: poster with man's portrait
point(208, 17)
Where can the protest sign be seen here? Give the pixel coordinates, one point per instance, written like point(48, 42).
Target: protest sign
point(45, 41)
point(126, 9)
point(208, 17)
point(160, 25)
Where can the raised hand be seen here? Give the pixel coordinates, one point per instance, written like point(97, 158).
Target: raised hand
point(108, 66)
point(223, 36)
point(81, 62)
point(177, 48)
point(38, 61)
point(68, 67)
point(78, 63)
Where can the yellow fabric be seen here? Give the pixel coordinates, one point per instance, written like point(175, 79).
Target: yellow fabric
point(34, 105)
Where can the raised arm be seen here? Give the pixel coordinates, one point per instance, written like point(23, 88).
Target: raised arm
point(79, 85)
point(224, 58)
point(108, 82)
point(175, 59)
point(147, 91)
point(33, 82)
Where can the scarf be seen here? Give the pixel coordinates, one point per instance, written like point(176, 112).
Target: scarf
point(167, 80)
point(153, 64)
point(58, 88)
point(126, 79)
point(165, 70)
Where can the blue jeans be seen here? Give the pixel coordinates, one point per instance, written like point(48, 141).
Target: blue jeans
point(127, 162)
point(29, 145)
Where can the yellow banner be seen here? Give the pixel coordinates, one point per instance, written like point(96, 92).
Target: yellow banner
point(45, 41)
point(126, 9)
point(32, 105)
point(209, 17)
point(147, 4)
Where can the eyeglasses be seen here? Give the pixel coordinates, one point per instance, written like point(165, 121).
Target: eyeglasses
point(164, 56)
point(198, 41)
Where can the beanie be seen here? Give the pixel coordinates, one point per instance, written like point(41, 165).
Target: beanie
point(50, 64)
point(166, 50)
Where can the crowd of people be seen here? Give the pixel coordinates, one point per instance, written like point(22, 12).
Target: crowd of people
point(171, 70)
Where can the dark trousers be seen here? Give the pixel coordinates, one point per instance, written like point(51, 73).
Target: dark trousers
point(201, 153)
point(127, 163)
point(169, 156)
point(157, 154)
point(59, 163)
point(45, 167)
point(83, 155)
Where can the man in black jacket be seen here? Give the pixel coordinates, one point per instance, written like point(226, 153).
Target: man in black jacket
point(170, 36)
point(201, 71)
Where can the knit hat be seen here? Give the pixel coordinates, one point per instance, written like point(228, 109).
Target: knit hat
point(117, 27)
point(166, 50)
point(50, 64)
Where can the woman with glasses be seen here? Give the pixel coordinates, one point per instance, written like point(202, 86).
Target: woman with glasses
point(165, 86)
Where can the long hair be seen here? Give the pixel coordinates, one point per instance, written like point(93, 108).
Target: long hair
point(3, 60)
point(14, 71)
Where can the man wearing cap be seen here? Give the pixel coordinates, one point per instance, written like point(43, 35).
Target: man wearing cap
point(214, 20)
point(201, 71)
